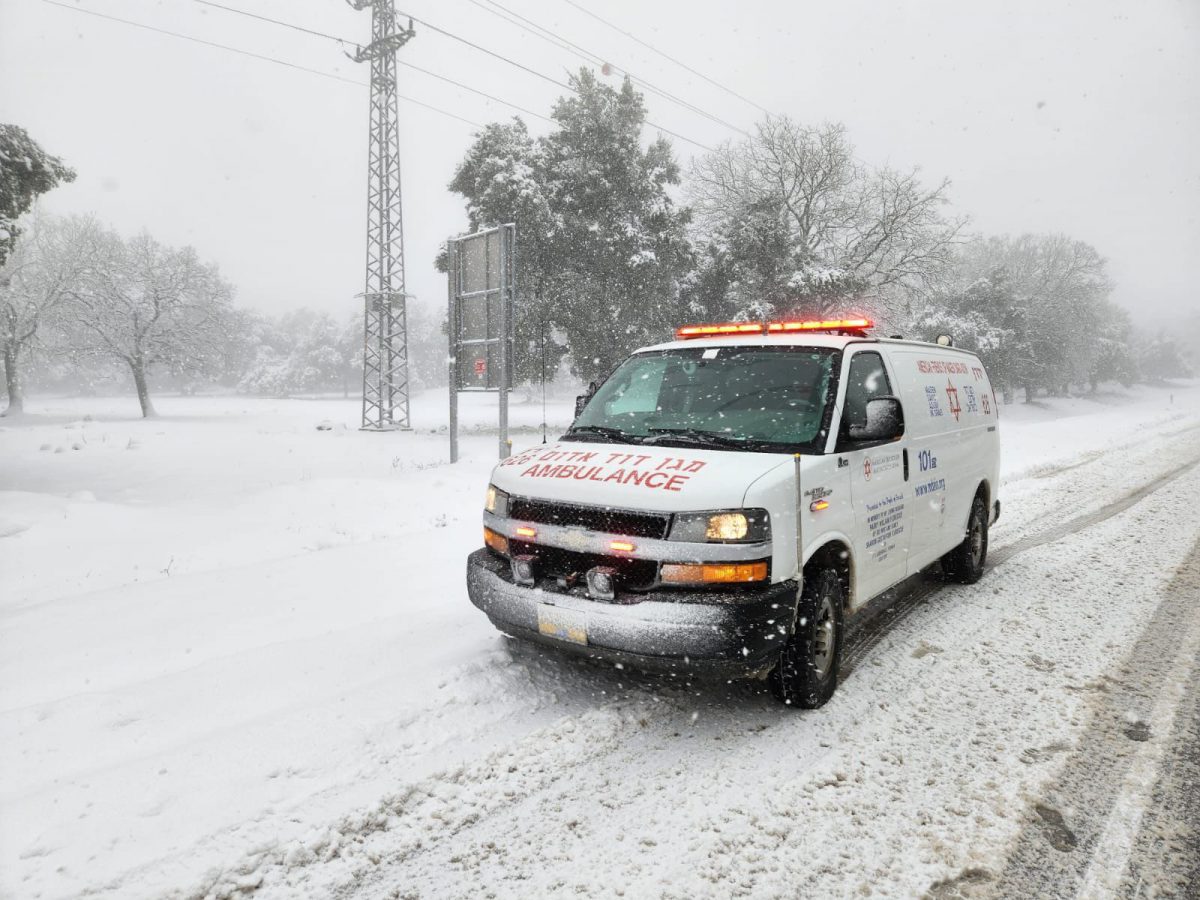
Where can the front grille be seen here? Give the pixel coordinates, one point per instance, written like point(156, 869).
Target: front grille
point(552, 562)
point(593, 518)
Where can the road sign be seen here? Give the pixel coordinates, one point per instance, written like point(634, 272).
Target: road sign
point(481, 271)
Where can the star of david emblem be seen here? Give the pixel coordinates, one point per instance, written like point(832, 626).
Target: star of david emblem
point(952, 395)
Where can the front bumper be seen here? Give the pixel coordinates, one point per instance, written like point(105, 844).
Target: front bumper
point(698, 632)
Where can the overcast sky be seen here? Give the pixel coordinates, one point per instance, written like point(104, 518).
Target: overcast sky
point(1046, 115)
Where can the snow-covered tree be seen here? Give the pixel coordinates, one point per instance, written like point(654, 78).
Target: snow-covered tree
point(1114, 359)
point(150, 307)
point(303, 352)
point(1187, 332)
point(1044, 300)
point(41, 274)
point(622, 239)
point(602, 246)
point(1159, 357)
point(26, 171)
point(793, 223)
point(981, 318)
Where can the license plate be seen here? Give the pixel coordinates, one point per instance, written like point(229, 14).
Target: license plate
point(563, 624)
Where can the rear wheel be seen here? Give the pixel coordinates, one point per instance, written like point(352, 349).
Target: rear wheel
point(807, 671)
point(965, 562)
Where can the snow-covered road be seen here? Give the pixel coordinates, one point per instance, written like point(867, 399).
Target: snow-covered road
point(225, 668)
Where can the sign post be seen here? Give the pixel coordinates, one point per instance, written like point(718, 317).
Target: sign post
point(481, 285)
point(452, 357)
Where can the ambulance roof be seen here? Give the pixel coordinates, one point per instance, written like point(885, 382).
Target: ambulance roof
point(810, 339)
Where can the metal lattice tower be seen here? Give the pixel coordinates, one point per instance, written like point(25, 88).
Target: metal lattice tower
point(385, 357)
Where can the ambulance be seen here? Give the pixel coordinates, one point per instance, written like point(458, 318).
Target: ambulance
point(727, 502)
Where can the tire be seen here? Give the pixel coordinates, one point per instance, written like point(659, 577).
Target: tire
point(965, 562)
point(806, 674)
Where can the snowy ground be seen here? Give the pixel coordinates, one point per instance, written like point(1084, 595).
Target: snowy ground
point(236, 652)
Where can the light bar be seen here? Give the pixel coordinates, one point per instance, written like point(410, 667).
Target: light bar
point(821, 325)
point(694, 331)
point(721, 329)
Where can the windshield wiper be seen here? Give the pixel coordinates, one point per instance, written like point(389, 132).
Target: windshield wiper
point(695, 436)
point(613, 434)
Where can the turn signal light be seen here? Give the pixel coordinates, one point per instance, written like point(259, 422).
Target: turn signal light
point(714, 573)
point(495, 540)
point(526, 532)
point(622, 546)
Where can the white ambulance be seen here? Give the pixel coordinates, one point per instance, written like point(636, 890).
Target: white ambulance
point(727, 501)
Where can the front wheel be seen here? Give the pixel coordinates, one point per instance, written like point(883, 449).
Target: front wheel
point(965, 562)
point(806, 674)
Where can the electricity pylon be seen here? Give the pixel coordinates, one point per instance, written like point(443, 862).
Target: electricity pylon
point(385, 331)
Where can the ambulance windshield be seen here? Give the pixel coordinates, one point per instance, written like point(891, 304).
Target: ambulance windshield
point(757, 398)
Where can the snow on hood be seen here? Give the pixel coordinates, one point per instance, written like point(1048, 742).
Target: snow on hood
point(633, 476)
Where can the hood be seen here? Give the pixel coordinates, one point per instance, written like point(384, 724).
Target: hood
point(631, 476)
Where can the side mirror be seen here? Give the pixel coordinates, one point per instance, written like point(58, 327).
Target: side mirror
point(582, 400)
point(885, 421)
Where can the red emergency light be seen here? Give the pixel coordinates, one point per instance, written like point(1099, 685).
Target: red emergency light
point(821, 325)
point(727, 328)
point(695, 331)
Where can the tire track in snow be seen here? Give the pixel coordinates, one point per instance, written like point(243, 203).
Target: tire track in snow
point(1081, 838)
point(1051, 470)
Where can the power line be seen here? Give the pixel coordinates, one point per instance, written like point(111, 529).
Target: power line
point(680, 63)
point(196, 40)
point(312, 71)
point(252, 55)
point(344, 41)
point(291, 25)
point(563, 43)
point(541, 75)
point(475, 90)
point(491, 53)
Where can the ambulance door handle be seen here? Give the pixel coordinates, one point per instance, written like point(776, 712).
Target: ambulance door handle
point(906, 464)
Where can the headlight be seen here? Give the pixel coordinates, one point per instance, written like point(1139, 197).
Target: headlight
point(732, 526)
point(496, 502)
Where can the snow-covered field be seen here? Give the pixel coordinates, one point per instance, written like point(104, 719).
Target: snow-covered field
point(236, 653)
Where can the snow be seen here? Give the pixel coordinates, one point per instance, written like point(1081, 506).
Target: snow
point(236, 654)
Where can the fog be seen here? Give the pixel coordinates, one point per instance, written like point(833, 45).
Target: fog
point(1071, 117)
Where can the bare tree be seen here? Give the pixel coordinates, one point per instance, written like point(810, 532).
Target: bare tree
point(150, 306)
point(796, 219)
point(52, 259)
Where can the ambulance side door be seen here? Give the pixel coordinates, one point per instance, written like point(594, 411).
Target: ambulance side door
point(878, 480)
